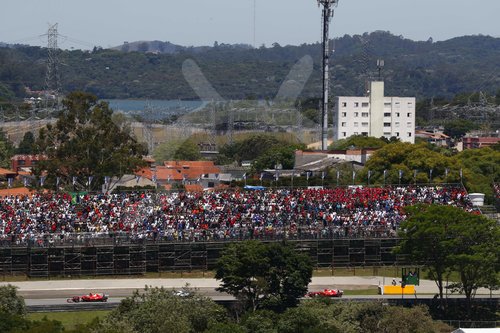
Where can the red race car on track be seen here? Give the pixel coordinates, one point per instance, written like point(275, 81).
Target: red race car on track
point(88, 298)
point(326, 293)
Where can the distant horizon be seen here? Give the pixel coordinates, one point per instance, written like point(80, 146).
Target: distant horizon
point(243, 43)
point(109, 23)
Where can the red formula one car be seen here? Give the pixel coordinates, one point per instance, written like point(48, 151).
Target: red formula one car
point(326, 293)
point(88, 298)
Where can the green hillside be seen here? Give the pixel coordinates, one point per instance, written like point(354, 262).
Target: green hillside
point(421, 69)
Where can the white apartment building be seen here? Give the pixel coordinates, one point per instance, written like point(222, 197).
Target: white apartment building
point(375, 115)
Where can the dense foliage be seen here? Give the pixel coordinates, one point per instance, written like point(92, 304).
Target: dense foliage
point(422, 69)
point(264, 275)
point(87, 142)
point(359, 142)
point(160, 311)
point(447, 239)
point(480, 167)
point(265, 150)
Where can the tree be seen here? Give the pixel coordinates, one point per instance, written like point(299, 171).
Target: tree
point(157, 310)
point(188, 151)
point(27, 144)
point(256, 146)
point(359, 142)
point(10, 302)
point(278, 155)
point(458, 128)
point(167, 150)
point(446, 238)
point(408, 158)
point(481, 168)
point(6, 150)
point(86, 142)
point(264, 275)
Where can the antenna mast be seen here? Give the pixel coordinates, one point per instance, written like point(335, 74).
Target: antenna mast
point(254, 23)
point(328, 6)
point(52, 80)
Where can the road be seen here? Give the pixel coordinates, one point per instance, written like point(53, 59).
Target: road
point(55, 292)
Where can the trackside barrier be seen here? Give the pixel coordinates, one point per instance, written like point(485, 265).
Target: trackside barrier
point(398, 290)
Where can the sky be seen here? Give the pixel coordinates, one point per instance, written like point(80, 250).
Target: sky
point(84, 24)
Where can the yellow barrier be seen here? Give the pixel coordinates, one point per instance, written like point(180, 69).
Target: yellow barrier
point(397, 290)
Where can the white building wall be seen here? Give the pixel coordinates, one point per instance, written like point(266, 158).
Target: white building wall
point(353, 116)
point(376, 109)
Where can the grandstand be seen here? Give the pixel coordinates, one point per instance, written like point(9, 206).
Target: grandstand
point(132, 233)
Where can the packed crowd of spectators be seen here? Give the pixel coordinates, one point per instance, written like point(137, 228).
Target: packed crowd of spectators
point(47, 219)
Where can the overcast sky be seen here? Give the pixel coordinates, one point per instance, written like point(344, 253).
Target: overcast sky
point(87, 23)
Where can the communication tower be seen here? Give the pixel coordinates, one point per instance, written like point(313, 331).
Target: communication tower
point(328, 12)
point(52, 79)
point(380, 67)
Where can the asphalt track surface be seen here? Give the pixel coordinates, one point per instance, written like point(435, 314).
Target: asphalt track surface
point(52, 294)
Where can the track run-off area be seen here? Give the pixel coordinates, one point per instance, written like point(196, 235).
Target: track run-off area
point(52, 294)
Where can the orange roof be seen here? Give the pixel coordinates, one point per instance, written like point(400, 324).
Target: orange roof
point(6, 172)
point(163, 173)
point(177, 170)
point(145, 172)
point(16, 191)
point(194, 188)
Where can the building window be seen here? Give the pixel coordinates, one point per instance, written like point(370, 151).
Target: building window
point(364, 114)
point(397, 134)
point(356, 104)
point(387, 105)
point(344, 104)
point(387, 124)
point(408, 124)
point(344, 134)
point(396, 124)
point(410, 103)
point(364, 124)
point(356, 114)
point(387, 114)
point(356, 124)
point(409, 134)
point(364, 133)
point(387, 134)
point(397, 114)
point(364, 105)
point(21, 162)
point(408, 114)
point(344, 124)
point(344, 114)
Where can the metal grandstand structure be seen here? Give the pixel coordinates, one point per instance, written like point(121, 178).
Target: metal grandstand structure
point(133, 259)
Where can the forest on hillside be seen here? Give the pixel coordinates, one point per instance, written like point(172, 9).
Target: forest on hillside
point(422, 69)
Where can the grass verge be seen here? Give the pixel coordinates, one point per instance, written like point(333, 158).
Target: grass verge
point(69, 319)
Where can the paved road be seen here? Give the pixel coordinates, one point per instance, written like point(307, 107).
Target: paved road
point(52, 292)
